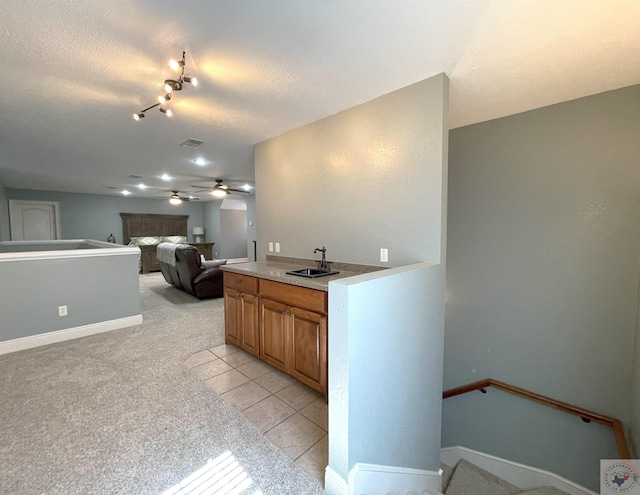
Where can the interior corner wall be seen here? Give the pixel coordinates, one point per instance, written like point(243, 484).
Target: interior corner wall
point(5, 230)
point(366, 178)
point(251, 226)
point(543, 252)
point(634, 426)
point(211, 223)
point(233, 226)
point(95, 216)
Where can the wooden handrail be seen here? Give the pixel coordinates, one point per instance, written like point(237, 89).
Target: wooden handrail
point(615, 424)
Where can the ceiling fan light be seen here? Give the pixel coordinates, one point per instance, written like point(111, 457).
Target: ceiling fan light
point(175, 199)
point(219, 193)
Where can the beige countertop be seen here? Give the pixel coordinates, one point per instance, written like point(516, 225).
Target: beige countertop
point(276, 271)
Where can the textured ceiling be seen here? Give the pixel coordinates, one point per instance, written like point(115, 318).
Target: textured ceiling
point(73, 73)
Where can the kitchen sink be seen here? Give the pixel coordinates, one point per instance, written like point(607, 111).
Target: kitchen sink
point(312, 272)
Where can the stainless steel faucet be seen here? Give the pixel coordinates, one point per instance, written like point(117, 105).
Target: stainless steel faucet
point(322, 265)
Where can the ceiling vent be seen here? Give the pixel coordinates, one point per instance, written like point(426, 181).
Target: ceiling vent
point(134, 176)
point(192, 143)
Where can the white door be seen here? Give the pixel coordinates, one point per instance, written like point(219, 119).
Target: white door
point(34, 220)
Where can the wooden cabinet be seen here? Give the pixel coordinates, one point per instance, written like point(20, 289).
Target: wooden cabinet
point(204, 248)
point(284, 325)
point(241, 312)
point(293, 331)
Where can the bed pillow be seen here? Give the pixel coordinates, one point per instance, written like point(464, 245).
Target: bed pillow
point(145, 241)
point(176, 239)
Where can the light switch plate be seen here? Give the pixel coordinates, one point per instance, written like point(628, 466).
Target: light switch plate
point(271, 247)
point(277, 247)
point(384, 255)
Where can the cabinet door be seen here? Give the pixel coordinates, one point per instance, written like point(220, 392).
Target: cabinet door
point(308, 348)
point(232, 316)
point(273, 333)
point(249, 340)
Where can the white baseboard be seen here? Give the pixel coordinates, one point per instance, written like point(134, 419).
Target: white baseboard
point(372, 479)
point(67, 334)
point(334, 484)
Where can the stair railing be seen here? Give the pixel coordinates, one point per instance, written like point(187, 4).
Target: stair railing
point(587, 416)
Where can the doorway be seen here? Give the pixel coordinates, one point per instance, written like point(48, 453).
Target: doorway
point(34, 220)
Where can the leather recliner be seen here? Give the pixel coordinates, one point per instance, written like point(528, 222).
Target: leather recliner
point(190, 276)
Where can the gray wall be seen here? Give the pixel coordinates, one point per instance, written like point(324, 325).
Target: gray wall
point(94, 288)
point(385, 373)
point(367, 178)
point(543, 245)
point(233, 225)
point(5, 233)
point(251, 225)
point(635, 401)
point(89, 216)
point(211, 219)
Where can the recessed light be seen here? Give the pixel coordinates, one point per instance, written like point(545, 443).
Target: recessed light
point(142, 186)
point(125, 192)
point(200, 161)
point(247, 187)
point(166, 177)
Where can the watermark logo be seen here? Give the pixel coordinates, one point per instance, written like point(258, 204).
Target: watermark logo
point(619, 476)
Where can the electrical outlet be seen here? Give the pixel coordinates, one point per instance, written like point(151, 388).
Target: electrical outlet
point(384, 255)
point(62, 310)
point(271, 247)
point(277, 247)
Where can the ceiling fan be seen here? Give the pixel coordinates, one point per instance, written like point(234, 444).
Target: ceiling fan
point(220, 190)
point(176, 199)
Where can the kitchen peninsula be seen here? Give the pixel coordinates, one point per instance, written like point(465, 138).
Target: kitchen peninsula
point(280, 318)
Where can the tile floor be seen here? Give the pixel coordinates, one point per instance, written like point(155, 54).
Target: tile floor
point(290, 414)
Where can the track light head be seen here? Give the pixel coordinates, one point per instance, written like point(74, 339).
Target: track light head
point(176, 64)
point(172, 85)
point(166, 111)
point(165, 98)
point(138, 116)
point(192, 80)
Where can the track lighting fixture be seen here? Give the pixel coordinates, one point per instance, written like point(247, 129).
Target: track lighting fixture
point(170, 85)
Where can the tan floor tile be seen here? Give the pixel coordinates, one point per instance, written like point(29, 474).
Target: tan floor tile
point(315, 460)
point(295, 435)
point(210, 369)
point(239, 358)
point(254, 369)
point(245, 395)
point(199, 358)
point(224, 350)
point(268, 413)
point(318, 412)
point(274, 380)
point(226, 381)
point(298, 395)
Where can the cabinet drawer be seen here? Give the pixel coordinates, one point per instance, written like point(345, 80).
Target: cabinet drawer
point(301, 297)
point(241, 282)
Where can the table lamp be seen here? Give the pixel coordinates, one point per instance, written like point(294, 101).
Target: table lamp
point(197, 232)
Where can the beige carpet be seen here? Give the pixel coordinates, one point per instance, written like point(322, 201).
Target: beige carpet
point(118, 413)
